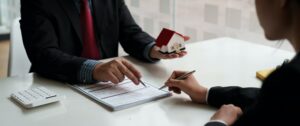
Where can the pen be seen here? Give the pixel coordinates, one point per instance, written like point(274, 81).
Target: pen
point(143, 83)
point(180, 78)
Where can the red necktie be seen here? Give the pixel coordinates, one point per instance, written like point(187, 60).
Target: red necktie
point(90, 49)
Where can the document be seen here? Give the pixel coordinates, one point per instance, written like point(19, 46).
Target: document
point(123, 95)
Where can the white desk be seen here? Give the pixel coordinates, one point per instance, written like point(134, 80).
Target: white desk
point(222, 62)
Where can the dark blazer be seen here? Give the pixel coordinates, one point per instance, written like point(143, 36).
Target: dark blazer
point(277, 103)
point(53, 41)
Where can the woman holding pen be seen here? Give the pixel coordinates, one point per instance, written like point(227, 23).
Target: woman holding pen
point(277, 102)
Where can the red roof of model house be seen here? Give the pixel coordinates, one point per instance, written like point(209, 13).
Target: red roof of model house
point(165, 37)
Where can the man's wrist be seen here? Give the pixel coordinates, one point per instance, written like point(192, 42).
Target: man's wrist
point(147, 52)
point(86, 71)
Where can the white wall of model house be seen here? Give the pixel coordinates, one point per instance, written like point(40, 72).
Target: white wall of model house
point(175, 44)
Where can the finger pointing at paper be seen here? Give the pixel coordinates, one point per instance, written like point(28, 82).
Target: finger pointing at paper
point(115, 71)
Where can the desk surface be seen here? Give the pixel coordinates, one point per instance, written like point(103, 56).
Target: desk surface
point(219, 62)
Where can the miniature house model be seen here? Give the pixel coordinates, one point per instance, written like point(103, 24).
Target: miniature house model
point(170, 41)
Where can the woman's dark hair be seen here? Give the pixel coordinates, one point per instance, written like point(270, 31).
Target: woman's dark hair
point(295, 3)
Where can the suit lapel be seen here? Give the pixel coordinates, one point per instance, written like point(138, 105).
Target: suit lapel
point(72, 12)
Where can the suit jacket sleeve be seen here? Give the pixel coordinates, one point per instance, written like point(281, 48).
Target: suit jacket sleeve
point(132, 37)
point(42, 46)
point(242, 97)
point(278, 103)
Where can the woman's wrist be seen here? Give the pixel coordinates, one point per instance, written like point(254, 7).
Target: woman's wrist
point(199, 95)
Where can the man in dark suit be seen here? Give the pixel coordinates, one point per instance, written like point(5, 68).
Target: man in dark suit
point(65, 38)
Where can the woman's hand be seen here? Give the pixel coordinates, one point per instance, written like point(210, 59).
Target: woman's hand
point(228, 113)
point(189, 85)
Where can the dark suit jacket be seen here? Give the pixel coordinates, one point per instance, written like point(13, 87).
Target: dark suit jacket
point(53, 41)
point(277, 103)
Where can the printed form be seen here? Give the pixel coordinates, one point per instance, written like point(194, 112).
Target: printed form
point(123, 95)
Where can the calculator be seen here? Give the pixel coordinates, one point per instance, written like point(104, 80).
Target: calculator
point(35, 97)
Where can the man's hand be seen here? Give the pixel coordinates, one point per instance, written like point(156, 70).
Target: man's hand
point(189, 85)
point(228, 113)
point(155, 54)
point(115, 71)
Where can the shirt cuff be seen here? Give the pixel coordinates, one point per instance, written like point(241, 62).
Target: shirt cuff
point(86, 72)
point(207, 93)
point(216, 123)
point(147, 52)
